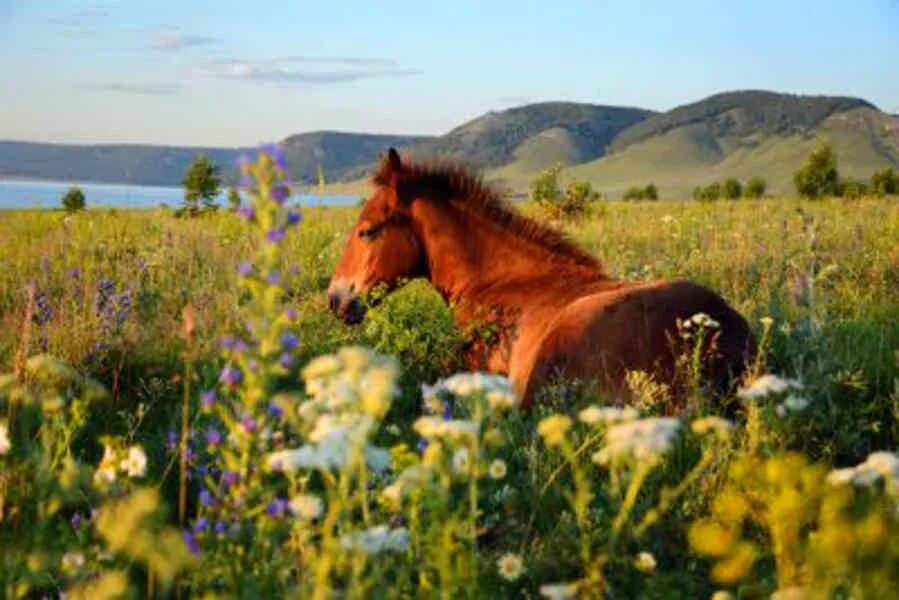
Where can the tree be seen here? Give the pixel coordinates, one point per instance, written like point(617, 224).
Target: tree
point(818, 175)
point(202, 183)
point(233, 198)
point(73, 199)
point(732, 189)
point(634, 193)
point(708, 193)
point(884, 182)
point(651, 192)
point(755, 187)
point(545, 188)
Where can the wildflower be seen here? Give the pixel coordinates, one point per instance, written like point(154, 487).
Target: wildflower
point(245, 269)
point(392, 495)
point(720, 427)
point(645, 562)
point(135, 463)
point(191, 542)
point(274, 277)
point(306, 506)
point(792, 404)
point(607, 414)
point(878, 465)
point(766, 322)
point(510, 566)
point(553, 429)
point(559, 591)
point(106, 472)
point(277, 155)
point(230, 478)
point(276, 235)
point(213, 437)
point(502, 400)
point(321, 367)
point(219, 528)
point(207, 399)
point(200, 525)
point(644, 439)
point(461, 462)
point(248, 424)
point(5, 444)
point(376, 540)
point(276, 508)
point(767, 385)
point(280, 193)
point(76, 520)
point(206, 498)
point(467, 384)
point(289, 341)
point(294, 217)
point(247, 212)
point(231, 376)
point(497, 469)
point(291, 313)
point(454, 429)
point(72, 561)
point(703, 320)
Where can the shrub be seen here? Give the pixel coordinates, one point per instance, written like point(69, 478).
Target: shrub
point(853, 189)
point(573, 203)
point(545, 188)
point(651, 192)
point(732, 189)
point(755, 187)
point(884, 182)
point(818, 176)
point(634, 193)
point(73, 200)
point(708, 193)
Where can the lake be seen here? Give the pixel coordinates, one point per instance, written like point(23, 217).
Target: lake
point(47, 194)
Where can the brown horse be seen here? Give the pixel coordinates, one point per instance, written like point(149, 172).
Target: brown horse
point(557, 311)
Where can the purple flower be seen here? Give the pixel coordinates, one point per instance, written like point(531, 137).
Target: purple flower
point(207, 399)
point(241, 346)
point(231, 375)
point(422, 445)
point(276, 153)
point(275, 410)
point(277, 508)
point(227, 342)
point(219, 528)
point(76, 520)
point(447, 411)
point(245, 269)
point(280, 193)
point(248, 424)
point(291, 313)
point(230, 478)
point(289, 341)
point(276, 235)
point(172, 440)
point(254, 365)
point(274, 277)
point(213, 437)
point(294, 217)
point(247, 212)
point(200, 525)
point(243, 165)
point(191, 542)
point(285, 360)
point(74, 272)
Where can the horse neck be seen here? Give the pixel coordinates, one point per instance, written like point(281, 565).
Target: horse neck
point(472, 260)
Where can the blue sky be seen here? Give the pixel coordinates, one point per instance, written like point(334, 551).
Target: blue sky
point(238, 73)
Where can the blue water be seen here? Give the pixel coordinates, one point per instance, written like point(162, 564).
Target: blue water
point(47, 194)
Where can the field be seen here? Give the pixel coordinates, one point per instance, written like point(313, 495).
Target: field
point(524, 502)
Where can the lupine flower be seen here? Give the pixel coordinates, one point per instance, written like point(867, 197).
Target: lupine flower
point(510, 566)
point(207, 399)
point(247, 212)
point(200, 525)
point(289, 341)
point(191, 542)
point(245, 269)
point(294, 217)
point(276, 508)
point(280, 193)
point(231, 375)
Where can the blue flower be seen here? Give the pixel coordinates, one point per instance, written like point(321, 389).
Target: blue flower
point(172, 440)
point(276, 235)
point(76, 520)
point(294, 217)
point(220, 528)
point(285, 360)
point(207, 399)
point(280, 193)
point(275, 410)
point(277, 508)
point(276, 153)
point(422, 445)
point(200, 525)
point(289, 341)
point(274, 277)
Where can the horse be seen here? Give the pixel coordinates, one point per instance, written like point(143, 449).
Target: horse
point(557, 313)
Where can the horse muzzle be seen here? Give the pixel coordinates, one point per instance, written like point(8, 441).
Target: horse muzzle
point(345, 304)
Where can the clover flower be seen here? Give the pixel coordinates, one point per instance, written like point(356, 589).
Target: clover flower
point(510, 566)
point(377, 540)
point(643, 440)
point(306, 506)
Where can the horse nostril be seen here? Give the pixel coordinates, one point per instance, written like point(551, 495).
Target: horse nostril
point(333, 301)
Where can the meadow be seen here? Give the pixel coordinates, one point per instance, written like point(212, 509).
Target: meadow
point(170, 430)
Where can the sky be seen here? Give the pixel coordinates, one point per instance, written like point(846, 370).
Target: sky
point(239, 73)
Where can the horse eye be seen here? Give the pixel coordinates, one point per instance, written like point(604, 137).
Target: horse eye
point(370, 232)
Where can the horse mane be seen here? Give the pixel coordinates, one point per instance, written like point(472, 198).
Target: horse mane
point(453, 182)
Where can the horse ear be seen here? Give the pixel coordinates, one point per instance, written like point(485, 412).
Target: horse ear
point(393, 159)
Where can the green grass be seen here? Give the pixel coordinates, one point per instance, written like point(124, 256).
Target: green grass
point(841, 340)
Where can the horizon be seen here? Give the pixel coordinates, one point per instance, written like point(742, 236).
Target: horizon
point(165, 74)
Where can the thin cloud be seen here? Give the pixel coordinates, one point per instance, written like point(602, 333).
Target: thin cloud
point(173, 42)
point(79, 24)
point(140, 89)
point(295, 70)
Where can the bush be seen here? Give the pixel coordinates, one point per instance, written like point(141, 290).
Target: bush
point(755, 187)
point(634, 193)
point(732, 189)
point(884, 182)
point(818, 176)
point(73, 200)
point(202, 183)
point(651, 192)
point(573, 203)
point(853, 189)
point(708, 193)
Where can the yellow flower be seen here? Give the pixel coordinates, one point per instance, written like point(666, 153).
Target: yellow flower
point(510, 566)
point(553, 429)
point(645, 562)
point(497, 469)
